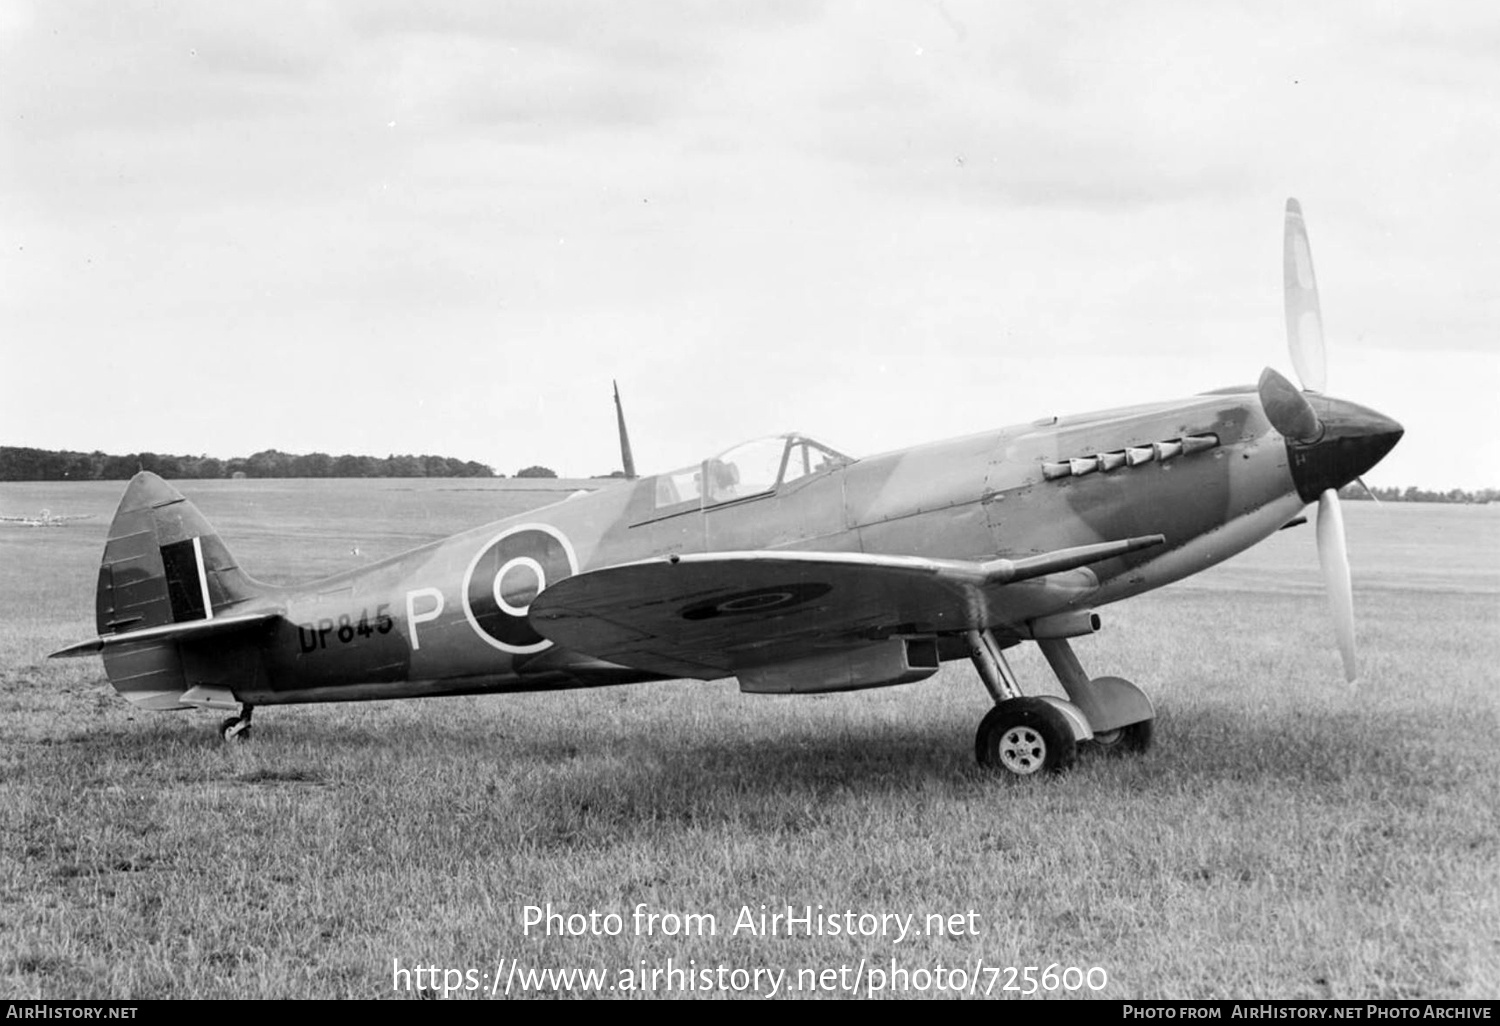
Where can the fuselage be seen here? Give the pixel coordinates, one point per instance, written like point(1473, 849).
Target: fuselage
point(1208, 473)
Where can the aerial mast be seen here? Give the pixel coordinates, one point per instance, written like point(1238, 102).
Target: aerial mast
point(627, 458)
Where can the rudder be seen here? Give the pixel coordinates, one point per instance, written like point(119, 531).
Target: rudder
point(164, 563)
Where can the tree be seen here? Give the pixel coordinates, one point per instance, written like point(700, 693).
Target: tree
point(119, 468)
point(404, 466)
point(80, 467)
point(206, 467)
point(268, 463)
point(313, 464)
point(536, 472)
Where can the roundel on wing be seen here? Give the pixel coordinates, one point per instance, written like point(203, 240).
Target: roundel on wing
point(761, 600)
point(507, 575)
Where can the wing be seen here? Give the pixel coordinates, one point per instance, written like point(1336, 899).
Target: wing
point(712, 615)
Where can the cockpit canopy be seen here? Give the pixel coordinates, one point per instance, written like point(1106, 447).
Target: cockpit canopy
point(752, 468)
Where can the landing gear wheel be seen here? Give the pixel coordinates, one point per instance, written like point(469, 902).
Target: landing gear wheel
point(1134, 739)
point(1026, 737)
point(237, 728)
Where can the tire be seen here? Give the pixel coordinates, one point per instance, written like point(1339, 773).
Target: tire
point(1026, 737)
point(1134, 739)
point(230, 730)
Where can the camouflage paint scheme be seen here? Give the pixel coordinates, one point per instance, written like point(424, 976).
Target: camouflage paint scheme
point(801, 586)
point(781, 563)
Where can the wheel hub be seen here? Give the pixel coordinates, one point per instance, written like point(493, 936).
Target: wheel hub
point(1023, 751)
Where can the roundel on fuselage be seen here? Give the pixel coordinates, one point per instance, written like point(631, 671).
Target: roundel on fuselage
point(507, 575)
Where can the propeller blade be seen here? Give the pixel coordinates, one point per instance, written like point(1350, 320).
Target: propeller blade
point(1287, 408)
point(1333, 555)
point(1304, 321)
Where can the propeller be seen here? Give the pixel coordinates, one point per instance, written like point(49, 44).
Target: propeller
point(1330, 442)
point(1333, 556)
point(1304, 319)
point(1290, 412)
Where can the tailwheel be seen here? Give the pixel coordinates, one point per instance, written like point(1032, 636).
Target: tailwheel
point(237, 728)
point(1026, 737)
point(1134, 739)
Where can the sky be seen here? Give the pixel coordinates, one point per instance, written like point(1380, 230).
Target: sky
point(444, 228)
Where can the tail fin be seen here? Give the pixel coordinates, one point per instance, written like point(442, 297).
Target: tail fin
point(166, 577)
point(164, 563)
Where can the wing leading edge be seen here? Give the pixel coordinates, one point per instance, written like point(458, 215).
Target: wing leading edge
point(711, 615)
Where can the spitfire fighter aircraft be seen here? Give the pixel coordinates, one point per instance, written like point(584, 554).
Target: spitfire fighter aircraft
point(782, 562)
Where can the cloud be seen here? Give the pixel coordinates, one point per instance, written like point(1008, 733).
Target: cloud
point(794, 195)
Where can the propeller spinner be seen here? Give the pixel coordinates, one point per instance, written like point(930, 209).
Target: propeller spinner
point(1330, 442)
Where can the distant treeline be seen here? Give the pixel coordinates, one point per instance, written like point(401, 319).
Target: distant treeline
point(1414, 494)
point(17, 464)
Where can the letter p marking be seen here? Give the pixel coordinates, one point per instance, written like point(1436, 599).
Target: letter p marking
point(413, 617)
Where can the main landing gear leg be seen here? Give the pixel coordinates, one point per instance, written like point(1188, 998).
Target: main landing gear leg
point(237, 728)
point(1119, 713)
point(1024, 736)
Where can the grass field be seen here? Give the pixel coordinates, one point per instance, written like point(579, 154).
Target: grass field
point(1285, 837)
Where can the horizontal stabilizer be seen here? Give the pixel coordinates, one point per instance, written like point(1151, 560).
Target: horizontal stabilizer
point(192, 630)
